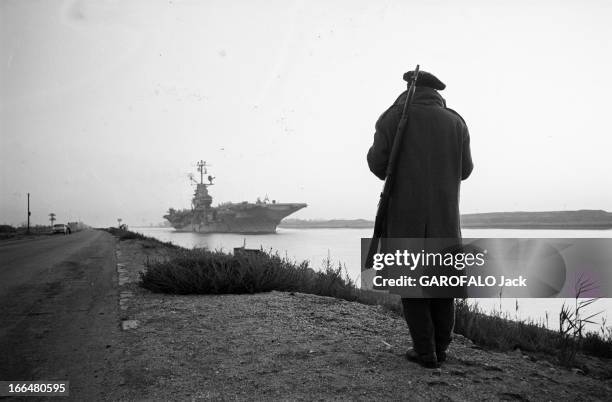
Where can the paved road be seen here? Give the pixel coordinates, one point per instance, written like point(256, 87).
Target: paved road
point(59, 320)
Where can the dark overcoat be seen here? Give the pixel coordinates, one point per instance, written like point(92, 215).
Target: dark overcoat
point(433, 159)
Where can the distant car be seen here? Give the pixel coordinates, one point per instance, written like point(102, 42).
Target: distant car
point(61, 228)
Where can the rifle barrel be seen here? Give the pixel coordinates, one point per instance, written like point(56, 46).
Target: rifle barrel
point(383, 203)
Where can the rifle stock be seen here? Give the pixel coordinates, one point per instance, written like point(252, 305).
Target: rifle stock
point(383, 203)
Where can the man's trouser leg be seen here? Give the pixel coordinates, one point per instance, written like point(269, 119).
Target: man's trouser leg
point(443, 317)
point(418, 317)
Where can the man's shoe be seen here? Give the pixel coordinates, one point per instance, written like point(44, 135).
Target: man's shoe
point(427, 362)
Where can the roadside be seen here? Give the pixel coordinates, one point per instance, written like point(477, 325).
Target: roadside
point(21, 237)
point(279, 345)
point(59, 302)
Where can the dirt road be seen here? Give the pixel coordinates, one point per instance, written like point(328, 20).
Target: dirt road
point(58, 297)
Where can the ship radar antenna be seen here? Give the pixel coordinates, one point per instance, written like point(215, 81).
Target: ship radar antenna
point(202, 169)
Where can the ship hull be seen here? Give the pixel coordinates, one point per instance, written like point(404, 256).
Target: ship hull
point(235, 218)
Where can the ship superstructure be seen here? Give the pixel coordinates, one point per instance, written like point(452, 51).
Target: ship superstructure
point(244, 217)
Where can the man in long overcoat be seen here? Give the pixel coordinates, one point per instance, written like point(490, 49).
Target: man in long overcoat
point(433, 160)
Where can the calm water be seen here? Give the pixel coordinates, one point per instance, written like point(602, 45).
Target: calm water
point(343, 245)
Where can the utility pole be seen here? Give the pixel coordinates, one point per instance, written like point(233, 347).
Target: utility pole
point(52, 218)
point(29, 213)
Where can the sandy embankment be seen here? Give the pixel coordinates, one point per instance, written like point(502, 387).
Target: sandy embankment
point(280, 345)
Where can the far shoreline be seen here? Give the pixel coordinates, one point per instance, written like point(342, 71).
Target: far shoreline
point(555, 220)
point(522, 227)
point(546, 220)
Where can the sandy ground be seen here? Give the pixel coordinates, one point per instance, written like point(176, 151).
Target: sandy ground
point(302, 347)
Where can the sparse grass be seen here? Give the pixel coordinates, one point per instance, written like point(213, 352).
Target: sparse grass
point(598, 345)
point(497, 331)
point(8, 229)
point(201, 271)
point(8, 232)
point(126, 234)
point(147, 242)
point(572, 324)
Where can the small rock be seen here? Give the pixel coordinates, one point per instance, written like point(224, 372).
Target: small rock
point(129, 324)
point(490, 367)
point(577, 371)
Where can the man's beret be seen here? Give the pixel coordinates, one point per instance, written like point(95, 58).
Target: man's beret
point(425, 79)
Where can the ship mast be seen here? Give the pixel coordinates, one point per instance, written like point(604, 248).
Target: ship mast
point(201, 199)
point(202, 170)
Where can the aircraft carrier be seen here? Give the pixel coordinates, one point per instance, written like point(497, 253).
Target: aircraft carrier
point(243, 217)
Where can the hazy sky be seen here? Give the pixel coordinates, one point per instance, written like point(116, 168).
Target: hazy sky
point(105, 106)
